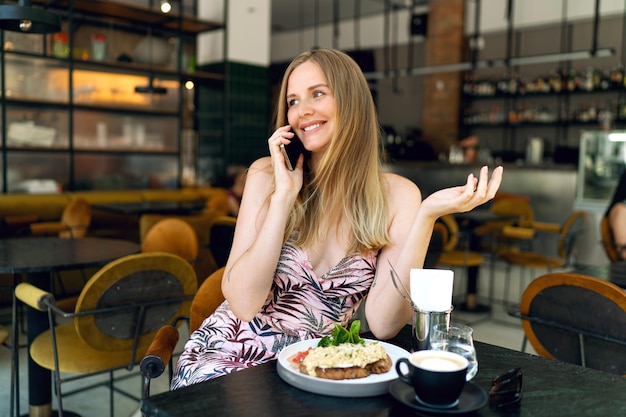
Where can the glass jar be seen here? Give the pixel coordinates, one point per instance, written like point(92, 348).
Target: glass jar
point(98, 47)
point(61, 45)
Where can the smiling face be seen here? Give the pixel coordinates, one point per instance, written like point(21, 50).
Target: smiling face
point(311, 107)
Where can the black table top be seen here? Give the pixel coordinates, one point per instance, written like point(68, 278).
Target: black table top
point(153, 207)
point(46, 254)
point(551, 388)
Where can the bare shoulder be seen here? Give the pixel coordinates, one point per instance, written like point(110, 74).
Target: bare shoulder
point(401, 189)
point(260, 171)
point(259, 180)
point(261, 165)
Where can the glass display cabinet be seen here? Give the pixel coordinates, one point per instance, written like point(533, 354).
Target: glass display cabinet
point(102, 104)
point(602, 160)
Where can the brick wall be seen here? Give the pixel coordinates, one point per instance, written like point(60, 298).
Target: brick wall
point(444, 45)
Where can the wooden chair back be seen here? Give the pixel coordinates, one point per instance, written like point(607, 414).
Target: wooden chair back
point(608, 242)
point(570, 232)
point(76, 218)
point(453, 254)
point(74, 222)
point(172, 235)
point(155, 287)
point(207, 299)
point(578, 319)
point(451, 228)
point(509, 207)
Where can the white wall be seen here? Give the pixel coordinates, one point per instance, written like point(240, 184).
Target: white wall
point(248, 27)
point(286, 45)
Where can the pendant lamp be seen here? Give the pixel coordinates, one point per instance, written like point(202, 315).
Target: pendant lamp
point(27, 19)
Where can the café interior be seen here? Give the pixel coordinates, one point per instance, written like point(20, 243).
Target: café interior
point(123, 122)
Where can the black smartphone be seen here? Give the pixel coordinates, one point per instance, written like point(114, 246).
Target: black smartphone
point(292, 151)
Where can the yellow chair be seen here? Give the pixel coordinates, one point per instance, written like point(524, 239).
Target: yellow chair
point(455, 256)
point(74, 222)
point(172, 235)
point(515, 211)
point(117, 315)
point(159, 354)
point(608, 242)
point(221, 238)
point(578, 319)
point(568, 234)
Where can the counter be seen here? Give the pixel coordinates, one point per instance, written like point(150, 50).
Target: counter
point(551, 188)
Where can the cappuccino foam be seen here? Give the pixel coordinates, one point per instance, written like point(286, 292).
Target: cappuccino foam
point(438, 362)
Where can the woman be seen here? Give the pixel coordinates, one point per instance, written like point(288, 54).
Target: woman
point(311, 243)
point(235, 191)
point(616, 213)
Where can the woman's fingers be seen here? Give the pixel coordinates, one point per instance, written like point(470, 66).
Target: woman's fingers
point(282, 135)
point(494, 182)
point(482, 189)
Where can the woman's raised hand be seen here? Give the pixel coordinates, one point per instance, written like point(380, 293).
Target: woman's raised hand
point(286, 180)
point(475, 192)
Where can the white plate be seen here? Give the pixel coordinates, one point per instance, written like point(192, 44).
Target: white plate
point(376, 384)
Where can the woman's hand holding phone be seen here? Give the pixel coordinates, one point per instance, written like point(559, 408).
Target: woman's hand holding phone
point(287, 180)
point(292, 151)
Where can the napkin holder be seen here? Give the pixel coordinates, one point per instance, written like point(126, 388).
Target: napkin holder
point(422, 326)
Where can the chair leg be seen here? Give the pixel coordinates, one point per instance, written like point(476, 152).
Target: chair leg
point(57, 388)
point(111, 400)
point(507, 278)
point(522, 283)
point(15, 362)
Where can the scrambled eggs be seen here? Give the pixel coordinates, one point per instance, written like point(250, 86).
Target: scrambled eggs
point(343, 356)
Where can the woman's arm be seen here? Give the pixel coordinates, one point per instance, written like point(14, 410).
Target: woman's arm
point(617, 220)
point(268, 198)
point(410, 231)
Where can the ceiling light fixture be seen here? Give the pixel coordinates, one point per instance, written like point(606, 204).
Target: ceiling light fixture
point(27, 19)
point(617, 137)
point(166, 6)
point(495, 63)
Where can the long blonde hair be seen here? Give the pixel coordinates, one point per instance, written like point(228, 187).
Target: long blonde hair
point(348, 180)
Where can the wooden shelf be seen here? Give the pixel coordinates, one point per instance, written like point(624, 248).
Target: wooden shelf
point(134, 13)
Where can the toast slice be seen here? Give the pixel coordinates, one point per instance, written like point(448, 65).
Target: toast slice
point(381, 366)
point(346, 361)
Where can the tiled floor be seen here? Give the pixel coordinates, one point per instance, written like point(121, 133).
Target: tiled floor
point(495, 328)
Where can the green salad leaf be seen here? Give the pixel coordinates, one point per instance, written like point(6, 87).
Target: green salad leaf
point(340, 335)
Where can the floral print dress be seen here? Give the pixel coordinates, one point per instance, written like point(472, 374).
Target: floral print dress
point(300, 306)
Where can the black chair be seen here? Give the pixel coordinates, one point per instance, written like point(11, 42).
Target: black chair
point(435, 247)
point(117, 316)
point(221, 238)
point(576, 318)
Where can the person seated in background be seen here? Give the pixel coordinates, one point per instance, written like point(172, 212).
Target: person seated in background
point(616, 213)
point(238, 174)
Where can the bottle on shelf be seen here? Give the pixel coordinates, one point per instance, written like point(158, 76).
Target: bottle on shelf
point(616, 77)
point(98, 47)
point(61, 45)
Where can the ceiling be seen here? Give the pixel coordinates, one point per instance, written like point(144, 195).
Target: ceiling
point(288, 15)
